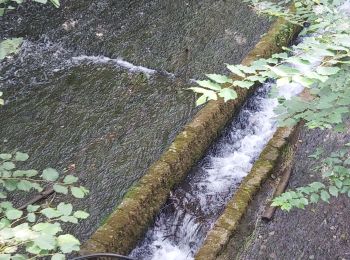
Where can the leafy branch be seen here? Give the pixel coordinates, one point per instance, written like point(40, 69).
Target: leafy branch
point(335, 169)
point(36, 229)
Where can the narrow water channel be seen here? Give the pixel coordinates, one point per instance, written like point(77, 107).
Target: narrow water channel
point(100, 87)
point(193, 207)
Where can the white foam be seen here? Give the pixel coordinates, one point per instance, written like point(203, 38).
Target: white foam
point(178, 236)
point(118, 62)
point(345, 7)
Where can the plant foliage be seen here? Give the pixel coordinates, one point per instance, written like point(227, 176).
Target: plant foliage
point(320, 64)
point(317, 62)
point(336, 172)
point(33, 231)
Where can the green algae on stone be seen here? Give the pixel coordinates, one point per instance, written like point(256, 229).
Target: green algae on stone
point(130, 221)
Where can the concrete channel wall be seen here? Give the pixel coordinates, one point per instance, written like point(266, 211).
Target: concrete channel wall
point(272, 158)
point(128, 223)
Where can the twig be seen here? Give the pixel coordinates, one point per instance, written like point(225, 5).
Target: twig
point(42, 195)
point(281, 187)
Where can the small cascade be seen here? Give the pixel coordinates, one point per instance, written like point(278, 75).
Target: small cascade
point(191, 210)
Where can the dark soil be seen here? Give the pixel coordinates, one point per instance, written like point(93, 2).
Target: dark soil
point(322, 231)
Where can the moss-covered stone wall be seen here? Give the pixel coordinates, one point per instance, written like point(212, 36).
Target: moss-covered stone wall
point(129, 222)
point(227, 223)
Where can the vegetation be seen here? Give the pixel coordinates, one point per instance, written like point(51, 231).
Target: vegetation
point(320, 64)
point(33, 231)
point(335, 169)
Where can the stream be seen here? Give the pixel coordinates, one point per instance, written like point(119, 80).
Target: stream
point(99, 88)
point(192, 209)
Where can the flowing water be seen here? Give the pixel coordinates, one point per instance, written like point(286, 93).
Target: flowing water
point(181, 226)
point(99, 87)
point(193, 207)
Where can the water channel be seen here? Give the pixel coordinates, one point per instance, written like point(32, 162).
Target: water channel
point(99, 87)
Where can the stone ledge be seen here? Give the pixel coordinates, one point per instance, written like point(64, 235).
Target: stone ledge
point(131, 219)
point(229, 220)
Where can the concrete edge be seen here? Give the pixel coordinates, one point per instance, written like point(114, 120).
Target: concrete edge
point(227, 223)
point(128, 223)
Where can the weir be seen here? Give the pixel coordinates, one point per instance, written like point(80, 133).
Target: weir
point(100, 143)
point(82, 96)
point(130, 221)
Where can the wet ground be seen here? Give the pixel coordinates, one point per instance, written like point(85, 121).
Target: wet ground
point(322, 231)
point(103, 122)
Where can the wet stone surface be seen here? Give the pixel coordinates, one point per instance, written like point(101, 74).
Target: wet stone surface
point(319, 232)
point(95, 118)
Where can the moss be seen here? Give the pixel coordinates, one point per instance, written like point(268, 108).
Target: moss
point(122, 230)
point(270, 153)
point(237, 206)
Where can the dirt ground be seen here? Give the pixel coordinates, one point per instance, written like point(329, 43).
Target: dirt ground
point(322, 231)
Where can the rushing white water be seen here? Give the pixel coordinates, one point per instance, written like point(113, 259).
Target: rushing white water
point(192, 209)
point(41, 54)
point(194, 206)
point(118, 62)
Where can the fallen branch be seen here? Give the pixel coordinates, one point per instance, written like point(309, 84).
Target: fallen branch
point(42, 195)
point(281, 187)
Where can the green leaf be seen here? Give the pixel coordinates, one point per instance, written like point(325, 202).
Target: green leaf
point(10, 185)
point(303, 80)
point(32, 208)
point(338, 183)
point(221, 79)
point(235, 70)
point(325, 196)
point(51, 213)
point(50, 174)
point(4, 223)
point(5, 256)
point(5, 156)
point(70, 219)
point(314, 198)
point(45, 242)
point(77, 192)
point(41, 1)
point(81, 214)
point(19, 257)
point(58, 257)
point(228, 94)
point(24, 185)
point(56, 3)
point(316, 185)
point(21, 157)
point(209, 93)
point(68, 243)
point(13, 214)
point(201, 100)
point(3, 195)
point(33, 249)
point(9, 46)
point(333, 191)
point(31, 217)
point(48, 228)
point(60, 189)
point(327, 70)
point(208, 84)
point(31, 173)
point(65, 209)
point(8, 165)
point(70, 179)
